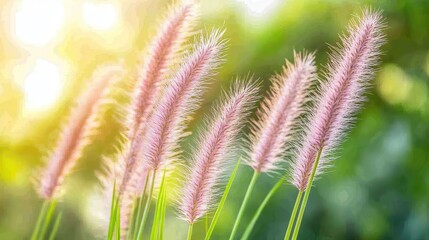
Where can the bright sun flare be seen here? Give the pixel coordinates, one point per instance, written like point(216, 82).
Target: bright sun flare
point(37, 23)
point(100, 16)
point(42, 85)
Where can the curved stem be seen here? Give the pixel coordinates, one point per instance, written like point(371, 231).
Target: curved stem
point(243, 205)
point(147, 207)
point(139, 209)
point(48, 218)
point(191, 226)
point(163, 212)
point(158, 208)
point(206, 223)
point(39, 220)
point(55, 227)
point(261, 207)
point(222, 201)
point(293, 215)
point(307, 193)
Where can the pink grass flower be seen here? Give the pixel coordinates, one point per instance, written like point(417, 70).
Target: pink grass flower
point(350, 69)
point(168, 43)
point(175, 29)
point(276, 122)
point(75, 135)
point(167, 125)
point(209, 163)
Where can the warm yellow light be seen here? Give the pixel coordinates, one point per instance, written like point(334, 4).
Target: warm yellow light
point(259, 8)
point(42, 85)
point(100, 16)
point(38, 22)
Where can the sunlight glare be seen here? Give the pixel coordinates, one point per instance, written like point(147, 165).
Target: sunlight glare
point(42, 85)
point(259, 7)
point(100, 16)
point(38, 22)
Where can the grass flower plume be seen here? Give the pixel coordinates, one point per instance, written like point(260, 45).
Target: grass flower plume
point(175, 29)
point(350, 70)
point(208, 164)
point(279, 112)
point(76, 133)
point(167, 125)
point(182, 96)
point(299, 125)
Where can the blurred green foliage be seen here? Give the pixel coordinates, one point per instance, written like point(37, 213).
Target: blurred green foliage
point(378, 188)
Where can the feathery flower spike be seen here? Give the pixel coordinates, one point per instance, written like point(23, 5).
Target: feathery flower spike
point(76, 133)
point(209, 161)
point(166, 45)
point(164, 48)
point(349, 72)
point(279, 112)
point(167, 124)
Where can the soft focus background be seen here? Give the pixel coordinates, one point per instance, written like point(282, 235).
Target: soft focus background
point(378, 188)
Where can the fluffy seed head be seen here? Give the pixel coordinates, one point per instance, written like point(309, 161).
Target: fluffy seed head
point(164, 48)
point(76, 133)
point(209, 164)
point(279, 111)
point(349, 72)
point(174, 30)
point(181, 97)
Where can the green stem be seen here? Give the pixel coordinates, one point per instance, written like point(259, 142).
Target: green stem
point(55, 227)
point(39, 220)
point(118, 220)
point(293, 215)
point(191, 225)
point(139, 208)
point(306, 194)
point(48, 218)
point(158, 209)
point(112, 213)
point(243, 205)
point(164, 206)
point(249, 227)
point(132, 221)
point(147, 207)
point(206, 223)
point(222, 201)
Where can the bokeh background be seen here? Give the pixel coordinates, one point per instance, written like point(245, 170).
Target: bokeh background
point(378, 188)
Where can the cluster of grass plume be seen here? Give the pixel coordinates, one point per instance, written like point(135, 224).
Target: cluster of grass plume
point(297, 128)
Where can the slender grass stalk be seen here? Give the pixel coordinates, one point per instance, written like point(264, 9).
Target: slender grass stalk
point(147, 207)
point(114, 221)
point(261, 208)
point(56, 226)
point(243, 204)
point(293, 215)
point(154, 231)
point(48, 218)
point(112, 213)
point(191, 226)
point(222, 201)
point(133, 218)
point(163, 212)
point(139, 209)
point(206, 223)
point(118, 220)
point(40, 219)
point(158, 209)
point(306, 195)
